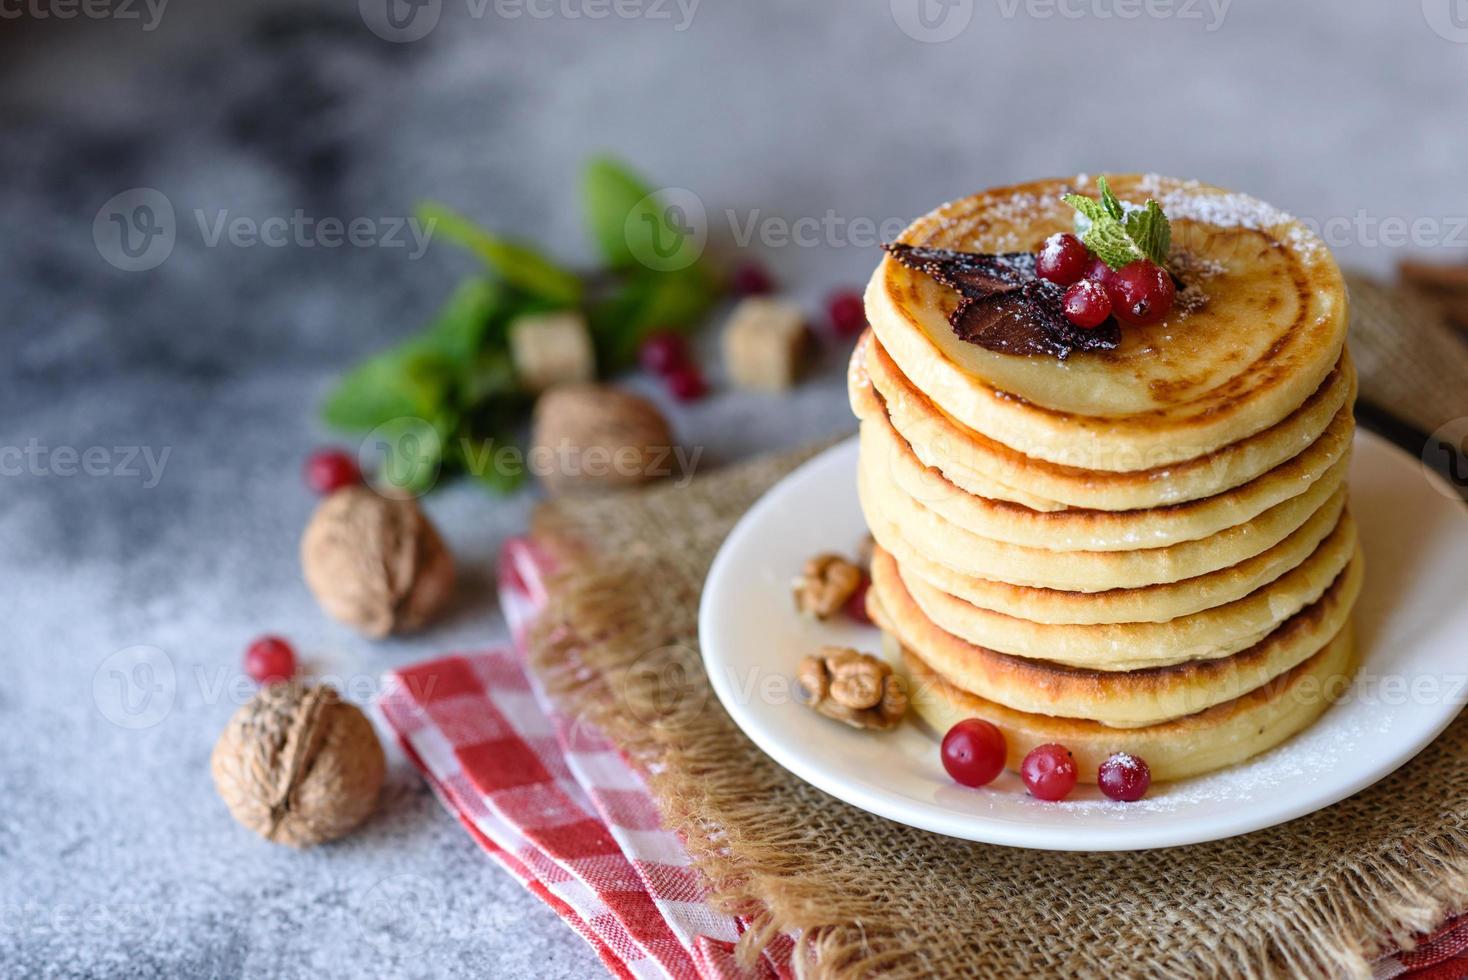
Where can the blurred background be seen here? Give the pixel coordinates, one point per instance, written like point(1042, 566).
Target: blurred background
point(805, 132)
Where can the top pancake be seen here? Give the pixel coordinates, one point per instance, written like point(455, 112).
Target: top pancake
point(1258, 329)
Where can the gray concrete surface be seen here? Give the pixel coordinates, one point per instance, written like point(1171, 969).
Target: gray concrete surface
point(116, 859)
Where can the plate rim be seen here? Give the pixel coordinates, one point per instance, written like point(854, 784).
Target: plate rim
point(932, 817)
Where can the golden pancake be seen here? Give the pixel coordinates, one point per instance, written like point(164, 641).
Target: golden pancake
point(1149, 604)
point(1120, 699)
point(1269, 327)
point(974, 471)
point(1219, 736)
point(885, 456)
point(1089, 571)
point(1204, 635)
point(986, 468)
point(1320, 590)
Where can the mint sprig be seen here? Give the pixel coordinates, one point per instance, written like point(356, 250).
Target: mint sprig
point(457, 374)
point(1120, 235)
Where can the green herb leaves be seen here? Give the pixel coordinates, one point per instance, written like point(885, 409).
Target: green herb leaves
point(656, 278)
point(448, 399)
point(1120, 234)
point(427, 399)
point(518, 265)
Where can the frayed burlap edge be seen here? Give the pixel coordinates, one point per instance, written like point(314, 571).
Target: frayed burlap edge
point(1321, 896)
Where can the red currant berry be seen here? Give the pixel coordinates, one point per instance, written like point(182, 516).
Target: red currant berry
point(1099, 271)
point(686, 383)
point(1062, 259)
point(1124, 777)
point(1141, 293)
point(751, 279)
point(328, 470)
point(1049, 772)
point(974, 752)
point(1087, 304)
point(270, 659)
point(848, 313)
point(856, 606)
point(663, 352)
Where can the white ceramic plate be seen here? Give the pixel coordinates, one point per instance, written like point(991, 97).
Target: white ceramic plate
point(1411, 622)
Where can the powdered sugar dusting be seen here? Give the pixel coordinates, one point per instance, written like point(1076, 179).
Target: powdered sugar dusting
point(1192, 201)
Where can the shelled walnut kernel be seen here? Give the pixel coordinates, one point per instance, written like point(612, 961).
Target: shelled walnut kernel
point(855, 688)
point(824, 585)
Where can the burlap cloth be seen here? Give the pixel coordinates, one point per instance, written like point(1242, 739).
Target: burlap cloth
point(1320, 896)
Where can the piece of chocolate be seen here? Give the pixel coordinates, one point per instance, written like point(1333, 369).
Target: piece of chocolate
point(1006, 307)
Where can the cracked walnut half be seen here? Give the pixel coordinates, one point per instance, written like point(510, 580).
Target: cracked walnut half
point(851, 687)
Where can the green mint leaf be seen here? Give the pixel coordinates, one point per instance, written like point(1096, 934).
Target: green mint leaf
point(461, 325)
point(632, 225)
point(370, 394)
point(417, 377)
point(1151, 231)
point(517, 264)
point(412, 451)
point(500, 473)
point(1109, 240)
point(1108, 200)
point(1088, 206)
point(610, 193)
point(1120, 235)
point(397, 384)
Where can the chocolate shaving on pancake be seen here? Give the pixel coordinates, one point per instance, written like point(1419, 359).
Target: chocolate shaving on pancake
point(1006, 307)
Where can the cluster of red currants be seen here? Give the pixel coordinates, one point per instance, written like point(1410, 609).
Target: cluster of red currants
point(666, 355)
point(974, 752)
point(1141, 292)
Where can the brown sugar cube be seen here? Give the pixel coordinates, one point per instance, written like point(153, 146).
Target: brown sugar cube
point(551, 349)
point(763, 344)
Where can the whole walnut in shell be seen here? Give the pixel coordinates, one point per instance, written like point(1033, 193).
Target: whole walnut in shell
point(591, 437)
point(298, 765)
point(376, 563)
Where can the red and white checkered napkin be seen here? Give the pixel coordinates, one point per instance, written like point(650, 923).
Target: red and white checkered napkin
point(559, 807)
point(1442, 956)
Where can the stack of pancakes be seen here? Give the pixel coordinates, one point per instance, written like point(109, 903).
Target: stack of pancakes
point(1143, 550)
